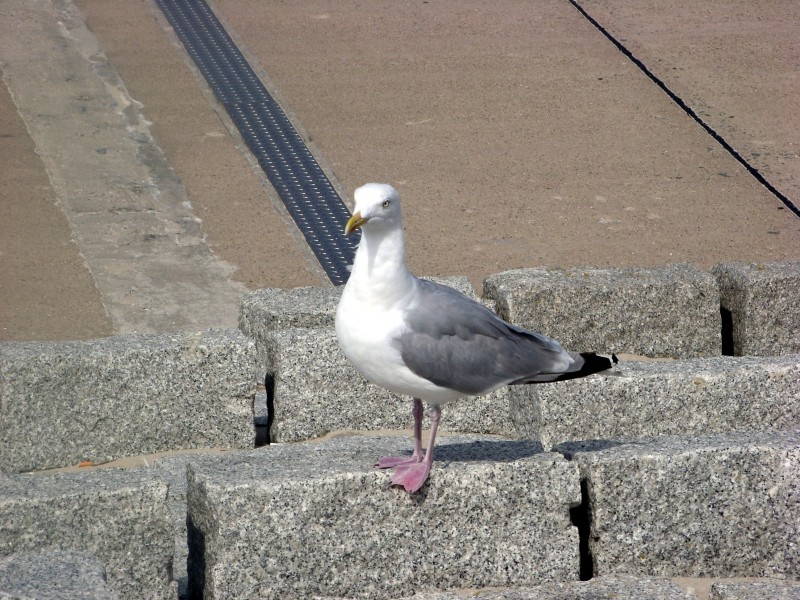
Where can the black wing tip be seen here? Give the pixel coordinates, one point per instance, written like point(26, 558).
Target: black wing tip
point(592, 363)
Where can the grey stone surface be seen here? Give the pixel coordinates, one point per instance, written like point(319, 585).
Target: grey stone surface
point(649, 399)
point(762, 301)
point(121, 517)
point(610, 587)
point(54, 576)
point(269, 309)
point(123, 396)
point(670, 311)
point(755, 590)
point(723, 505)
point(316, 390)
point(292, 521)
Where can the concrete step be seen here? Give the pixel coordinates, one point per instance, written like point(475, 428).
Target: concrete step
point(52, 575)
point(760, 303)
point(649, 399)
point(719, 505)
point(292, 521)
point(119, 517)
point(67, 402)
point(670, 311)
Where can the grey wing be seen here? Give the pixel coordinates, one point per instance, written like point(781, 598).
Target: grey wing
point(459, 344)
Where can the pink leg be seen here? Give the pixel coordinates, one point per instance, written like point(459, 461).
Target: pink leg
point(412, 476)
point(416, 456)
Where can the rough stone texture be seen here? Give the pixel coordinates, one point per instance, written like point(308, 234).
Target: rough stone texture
point(53, 576)
point(118, 516)
point(298, 520)
point(724, 505)
point(611, 587)
point(761, 300)
point(123, 396)
point(316, 390)
point(270, 309)
point(670, 311)
point(755, 590)
point(650, 399)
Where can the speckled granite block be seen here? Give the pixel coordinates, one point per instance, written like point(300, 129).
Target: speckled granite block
point(724, 505)
point(762, 302)
point(292, 521)
point(53, 576)
point(611, 587)
point(670, 311)
point(123, 396)
point(650, 399)
point(270, 309)
point(755, 590)
point(118, 516)
point(316, 390)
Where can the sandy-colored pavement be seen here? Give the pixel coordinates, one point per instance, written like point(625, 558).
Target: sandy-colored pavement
point(516, 132)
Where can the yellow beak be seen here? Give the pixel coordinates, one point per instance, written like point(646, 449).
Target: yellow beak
point(354, 223)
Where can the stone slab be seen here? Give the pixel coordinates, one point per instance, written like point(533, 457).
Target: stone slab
point(53, 576)
point(269, 309)
point(761, 303)
point(316, 390)
point(650, 399)
point(304, 519)
point(124, 396)
point(120, 517)
point(723, 505)
point(610, 587)
point(670, 311)
point(755, 590)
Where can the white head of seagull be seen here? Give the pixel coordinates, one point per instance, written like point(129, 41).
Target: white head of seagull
point(377, 204)
point(428, 341)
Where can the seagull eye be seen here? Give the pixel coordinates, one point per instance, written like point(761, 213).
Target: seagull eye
point(386, 204)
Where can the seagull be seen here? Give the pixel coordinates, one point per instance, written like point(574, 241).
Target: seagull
point(421, 339)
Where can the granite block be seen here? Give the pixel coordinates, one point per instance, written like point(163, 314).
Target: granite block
point(298, 520)
point(124, 396)
point(670, 311)
point(610, 587)
point(755, 590)
point(760, 301)
point(650, 399)
point(271, 309)
point(315, 390)
point(722, 505)
point(54, 576)
point(120, 517)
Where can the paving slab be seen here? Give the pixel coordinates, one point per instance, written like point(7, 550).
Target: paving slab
point(760, 302)
point(47, 291)
point(669, 311)
point(736, 67)
point(651, 399)
point(129, 212)
point(316, 390)
point(120, 517)
point(292, 521)
point(755, 590)
point(54, 575)
point(123, 396)
point(518, 135)
point(721, 505)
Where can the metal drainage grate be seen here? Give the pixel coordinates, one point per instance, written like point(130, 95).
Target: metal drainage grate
point(300, 182)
